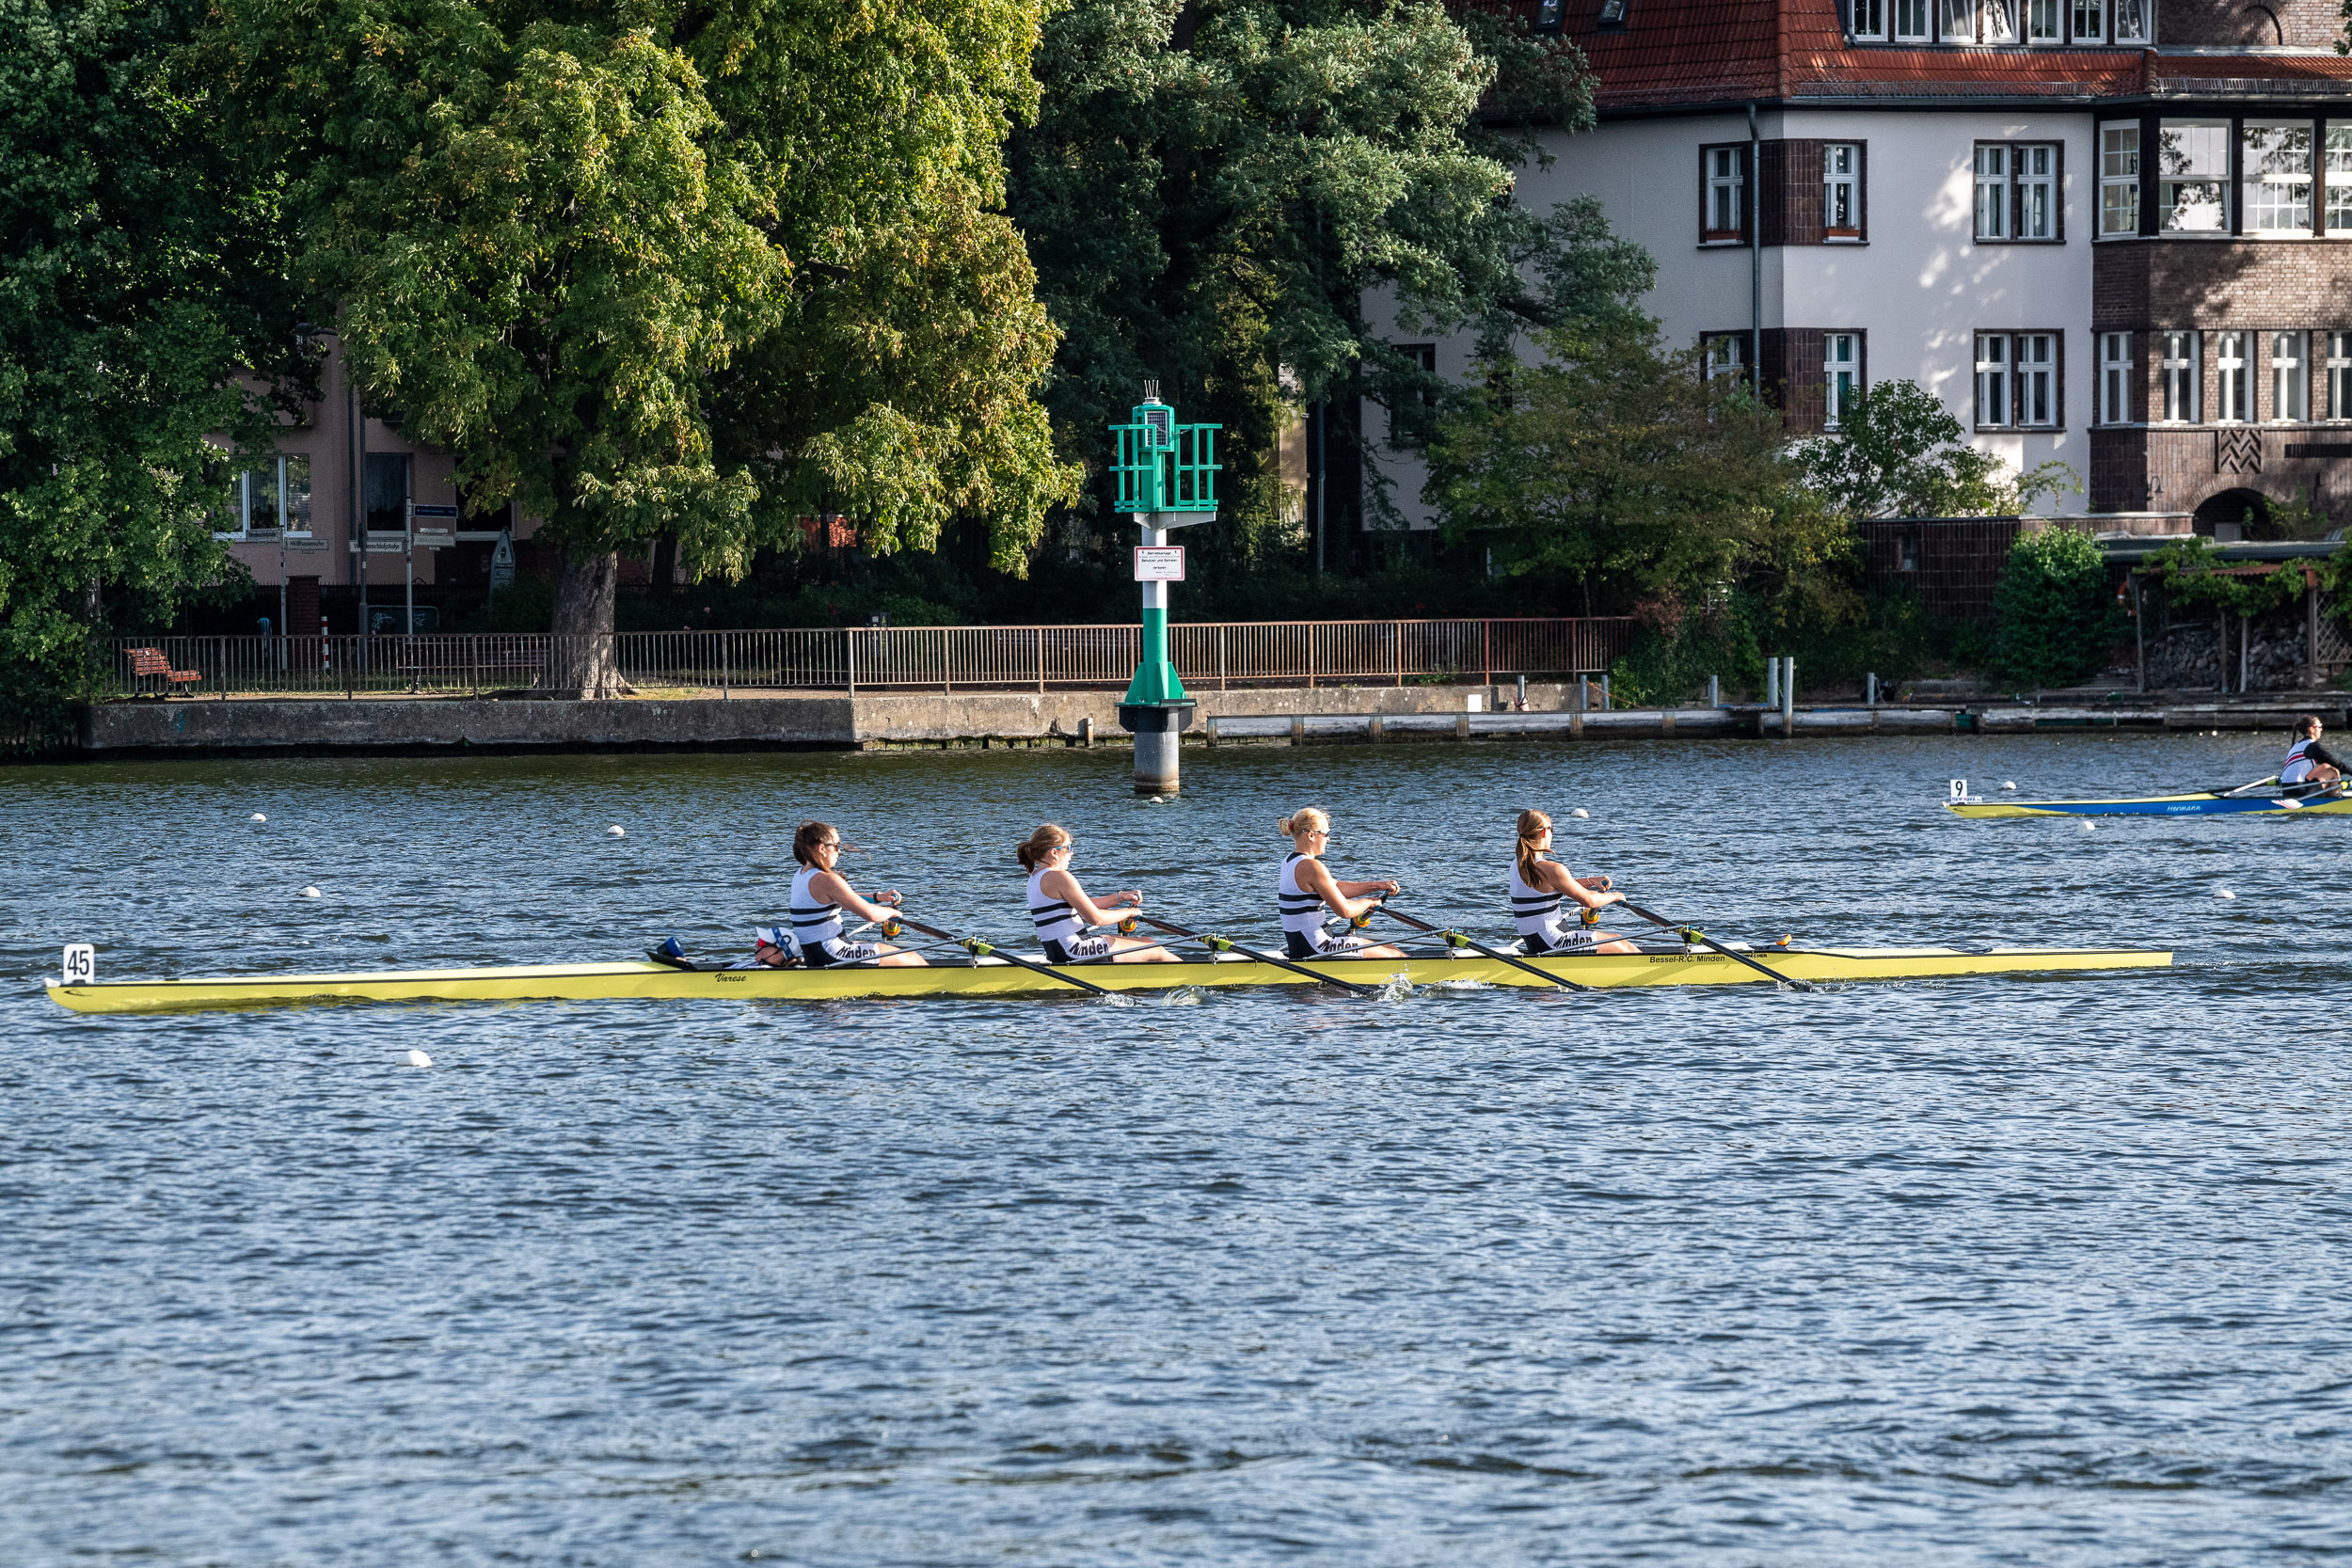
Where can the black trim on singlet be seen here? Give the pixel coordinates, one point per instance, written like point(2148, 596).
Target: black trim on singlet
point(1043, 915)
point(1301, 902)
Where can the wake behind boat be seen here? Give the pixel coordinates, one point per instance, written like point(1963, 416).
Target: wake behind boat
point(987, 974)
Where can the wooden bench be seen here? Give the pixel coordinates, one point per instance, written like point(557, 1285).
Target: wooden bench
point(150, 663)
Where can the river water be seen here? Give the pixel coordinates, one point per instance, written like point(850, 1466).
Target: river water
point(2045, 1271)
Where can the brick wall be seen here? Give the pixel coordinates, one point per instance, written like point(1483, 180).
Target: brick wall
point(1793, 377)
point(2221, 283)
point(2297, 22)
point(1791, 191)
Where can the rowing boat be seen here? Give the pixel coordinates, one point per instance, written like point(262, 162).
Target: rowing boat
point(990, 976)
point(2203, 804)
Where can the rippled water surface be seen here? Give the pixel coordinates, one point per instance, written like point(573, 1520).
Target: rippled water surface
point(2044, 1270)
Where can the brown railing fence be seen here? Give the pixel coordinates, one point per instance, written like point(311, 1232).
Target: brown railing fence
point(1213, 655)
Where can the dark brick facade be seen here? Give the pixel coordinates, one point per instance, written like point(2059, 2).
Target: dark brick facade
point(2309, 23)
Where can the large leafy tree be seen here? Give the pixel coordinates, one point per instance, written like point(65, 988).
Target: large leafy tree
point(1899, 453)
point(1214, 187)
point(140, 312)
point(653, 269)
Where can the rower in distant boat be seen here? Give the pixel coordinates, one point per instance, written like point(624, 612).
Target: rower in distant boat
point(819, 894)
point(1306, 886)
point(2309, 762)
point(1538, 883)
point(1062, 911)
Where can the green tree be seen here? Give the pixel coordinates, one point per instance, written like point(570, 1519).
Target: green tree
point(658, 270)
point(1897, 453)
point(1212, 187)
point(140, 311)
point(2055, 616)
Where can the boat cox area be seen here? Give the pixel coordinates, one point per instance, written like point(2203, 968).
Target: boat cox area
point(1213, 1274)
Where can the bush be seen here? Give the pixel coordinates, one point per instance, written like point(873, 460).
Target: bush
point(2055, 619)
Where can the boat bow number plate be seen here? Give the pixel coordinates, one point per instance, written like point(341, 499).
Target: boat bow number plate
point(1159, 563)
point(1959, 791)
point(81, 964)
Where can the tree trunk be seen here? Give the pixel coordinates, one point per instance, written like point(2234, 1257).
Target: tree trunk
point(581, 659)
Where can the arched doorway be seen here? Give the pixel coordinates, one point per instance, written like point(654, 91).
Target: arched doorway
point(2229, 509)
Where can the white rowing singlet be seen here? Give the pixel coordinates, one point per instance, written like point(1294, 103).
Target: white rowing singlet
point(1302, 912)
point(813, 922)
point(1531, 909)
point(2299, 763)
point(1055, 919)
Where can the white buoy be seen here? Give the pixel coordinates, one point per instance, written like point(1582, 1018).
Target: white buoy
point(1159, 800)
point(2091, 827)
point(257, 817)
point(418, 1059)
point(1580, 812)
point(2223, 893)
point(2008, 784)
point(615, 831)
point(309, 893)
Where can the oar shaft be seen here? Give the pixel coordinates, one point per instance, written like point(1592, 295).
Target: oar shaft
point(1480, 948)
point(1707, 942)
point(1212, 944)
point(980, 949)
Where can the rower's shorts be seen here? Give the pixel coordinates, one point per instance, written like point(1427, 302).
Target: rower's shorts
point(834, 950)
point(1564, 935)
point(1078, 947)
point(1321, 945)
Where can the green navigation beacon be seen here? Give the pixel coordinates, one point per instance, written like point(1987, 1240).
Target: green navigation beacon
point(1166, 475)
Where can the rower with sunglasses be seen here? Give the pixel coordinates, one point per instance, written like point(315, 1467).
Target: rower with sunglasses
point(819, 894)
point(1060, 910)
point(1304, 888)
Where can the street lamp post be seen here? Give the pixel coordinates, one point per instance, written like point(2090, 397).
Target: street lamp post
point(1166, 475)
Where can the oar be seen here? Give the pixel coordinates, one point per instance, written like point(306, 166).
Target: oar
point(1226, 944)
point(1688, 933)
point(1455, 939)
point(2225, 794)
point(980, 949)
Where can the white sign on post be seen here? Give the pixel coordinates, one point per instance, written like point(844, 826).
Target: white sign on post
point(1159, 563)
point(81, 964)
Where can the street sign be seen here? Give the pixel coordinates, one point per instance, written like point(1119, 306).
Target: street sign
point(448, 512)
point(380, 543)
point(435, 538)
point(299, 544)
point(1159, 563)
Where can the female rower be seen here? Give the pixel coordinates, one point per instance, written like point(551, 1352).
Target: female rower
point(1537, 884)
point(819, 894)
point(1062, 910)
point(2309, 762)
point(1306, 886)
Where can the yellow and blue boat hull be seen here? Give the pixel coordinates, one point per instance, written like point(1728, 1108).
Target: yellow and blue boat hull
point(2160, 805)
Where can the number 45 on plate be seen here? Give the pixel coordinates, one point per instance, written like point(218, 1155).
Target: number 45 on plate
point(81, 963)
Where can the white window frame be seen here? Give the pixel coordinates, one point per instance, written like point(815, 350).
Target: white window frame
point(2115, 378)
point(1727, 175)
point(2034, 365)
point(2045, 21)
point(2017, 202)
point(2131, 21)
point(1846, 179)
point(1841, 374)
point(1956, 21)
point(2336, 154)
point(2193, 202)
point(1914, 21)
point(2119, 179)
point(1723, 354)
point(1996, 404)
point(2338, 375)
point(2232, 379)
point(242, 496)
point(2289, 378)
point(2275, 194)
point(1870, 20)
point(1993, 191)
point(2096, 11)
point(2184, 382)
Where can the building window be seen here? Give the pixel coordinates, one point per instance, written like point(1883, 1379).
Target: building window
point(2193, 176)
point(1993, 389)
point(1413, 420)
point(1841, 371)
point(1910, 20)
point(2276, 158)
point(2000, 22)
point(2230, 385)
point(1869, 20)
point(1960, 21)
point(2115, 378)
point(2340, 375)
point(2041, 20)
point(2182, 386)
point(1725, 196)
point(2339, 214)
point(1548, 16)
point(1841, 190)
point(2119, 179)
point(1724, 354)
point(2017, 191)
point(2089, 23)
point(2287, 377)
point(273, 495)
point(2035, 358)
point(2131, 21)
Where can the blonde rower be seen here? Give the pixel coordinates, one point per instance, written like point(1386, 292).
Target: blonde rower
point(1306, 887)
point(1538, 883)
point(1062, 910)
point(819, 894)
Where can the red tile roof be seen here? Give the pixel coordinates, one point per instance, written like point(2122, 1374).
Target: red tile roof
point(1692, 53)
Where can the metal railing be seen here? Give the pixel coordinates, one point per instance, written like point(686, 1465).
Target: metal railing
point(1213, 655)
